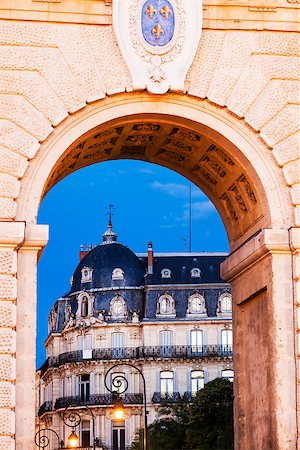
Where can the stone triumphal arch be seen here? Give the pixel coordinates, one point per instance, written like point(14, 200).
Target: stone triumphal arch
point(219, 104)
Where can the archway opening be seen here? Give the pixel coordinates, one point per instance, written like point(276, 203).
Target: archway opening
point(242, 194)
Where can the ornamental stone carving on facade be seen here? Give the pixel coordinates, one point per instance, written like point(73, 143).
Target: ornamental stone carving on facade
point(158, 40)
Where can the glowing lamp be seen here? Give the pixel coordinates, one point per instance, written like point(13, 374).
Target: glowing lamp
point(73, 440)
point(118, 409)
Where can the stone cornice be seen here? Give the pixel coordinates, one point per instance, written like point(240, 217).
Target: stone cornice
point(217, 14)
point(266, 242)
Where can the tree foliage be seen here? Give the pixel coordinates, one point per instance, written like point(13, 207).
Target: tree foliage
point(207, 423)
point(211, 417)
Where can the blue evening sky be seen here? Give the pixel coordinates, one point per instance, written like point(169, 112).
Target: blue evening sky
point(151, 204)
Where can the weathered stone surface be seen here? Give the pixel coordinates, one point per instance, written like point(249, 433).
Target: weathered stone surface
point(7, 368)
point(7, 395)
point(12, 163)
point(14, 138)
point(287, 150)
point(8, 262)
point(7, 341)
point(282, 126)
point(7, 314)
point(7, 208)
point(19, 111)
point(8, 287)
point(7, 422)
point(7, 443)
point(292, 172)
point(109, 61)
point(9, 186)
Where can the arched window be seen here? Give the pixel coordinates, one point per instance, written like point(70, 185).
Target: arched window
point(225, 304)
point(196, 305)
point(117, 274)
point(165, 306)
point(84, 306)
point(118, 308)
point(197, 381)
point(228, 374)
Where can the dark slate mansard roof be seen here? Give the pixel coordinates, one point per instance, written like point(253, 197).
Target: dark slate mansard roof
point(139, 289)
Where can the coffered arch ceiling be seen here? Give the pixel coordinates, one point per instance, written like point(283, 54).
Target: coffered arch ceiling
point(191, 149)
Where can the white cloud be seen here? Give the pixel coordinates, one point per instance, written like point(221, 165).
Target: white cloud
point(148, 171)
point(178, 190)
point(200, 210)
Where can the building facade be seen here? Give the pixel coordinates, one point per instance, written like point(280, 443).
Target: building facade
point(169, 315)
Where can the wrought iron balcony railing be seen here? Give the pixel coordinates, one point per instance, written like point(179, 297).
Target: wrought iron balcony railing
point(97, 399)
point(165, 397)
point(111, 354)
point(45, 407)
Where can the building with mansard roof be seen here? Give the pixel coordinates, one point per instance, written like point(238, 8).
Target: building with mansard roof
point(168, 314)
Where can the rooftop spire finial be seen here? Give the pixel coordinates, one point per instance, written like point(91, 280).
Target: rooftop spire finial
point(109, 236)
point(109, 213)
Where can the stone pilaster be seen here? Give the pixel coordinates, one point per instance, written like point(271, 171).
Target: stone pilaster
point(35, 239)
point(11, 236)
point(265, 401)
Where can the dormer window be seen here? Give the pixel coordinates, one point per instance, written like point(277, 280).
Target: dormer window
point(165, 306)
point(196, 306)
point(166, 273)
point(86, 275)
point(195, 272)
point(85, 305)
point(117, 274)
point(225, 304)
point(118, 308)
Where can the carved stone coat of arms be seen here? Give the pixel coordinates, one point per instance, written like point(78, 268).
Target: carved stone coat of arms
point(158, 40)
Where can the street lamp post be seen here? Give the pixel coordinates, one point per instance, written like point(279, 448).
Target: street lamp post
point(120, 382)
point(71, 419)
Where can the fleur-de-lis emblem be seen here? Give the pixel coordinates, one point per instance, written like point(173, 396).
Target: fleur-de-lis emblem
point(150, 11)
point(157, 31)
point(165, 11)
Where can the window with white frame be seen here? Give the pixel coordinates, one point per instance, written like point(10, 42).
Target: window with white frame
point(117, 344)
point(84, 306)
point(86, 274)
point(196, 305)
point(196, 341)
point(117, 274)
point(225, 303)
point(228, 374)
point(85, 434)
point(165, 342)
point(118, 308)
point(166, 306)
point(167, 382)
point(84, 387)
point(195, 272)
point(85, 343)
point(197, 381)
point(166, 273)
point(226, 341)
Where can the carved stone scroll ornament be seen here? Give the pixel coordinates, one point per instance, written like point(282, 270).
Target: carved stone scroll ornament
point(158, 40)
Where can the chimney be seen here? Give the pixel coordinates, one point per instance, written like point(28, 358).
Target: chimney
point(150, 258)
point(83, 252)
